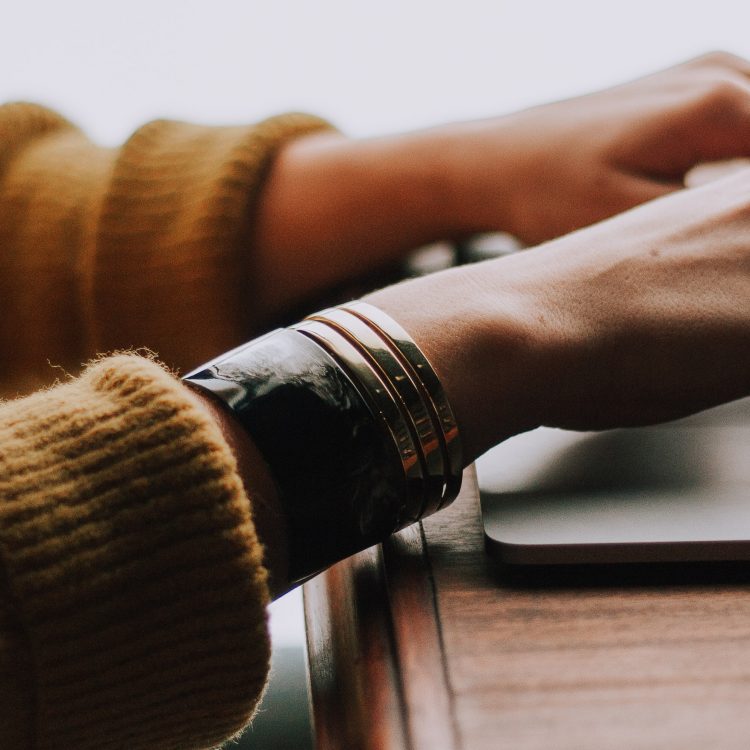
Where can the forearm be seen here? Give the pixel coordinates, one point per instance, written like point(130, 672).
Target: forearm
point(100, 248)
point(479, 329)
point(336, 208)
point(640, 319)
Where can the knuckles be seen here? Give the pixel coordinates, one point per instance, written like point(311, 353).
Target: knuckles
point(723, 99)
point(715, 88)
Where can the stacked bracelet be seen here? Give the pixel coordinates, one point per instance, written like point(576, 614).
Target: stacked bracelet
point(353, 424)
point(435, 398)
point(413, 386)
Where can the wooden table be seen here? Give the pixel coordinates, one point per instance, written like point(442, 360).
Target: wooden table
point(426, 644)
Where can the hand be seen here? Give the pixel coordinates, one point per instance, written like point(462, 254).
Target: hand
point(335, 208)
point(642, 318)
point(555, 168)
point(639, 319)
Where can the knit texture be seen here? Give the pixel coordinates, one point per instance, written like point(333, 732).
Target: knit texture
point(147, 244)
point(135, 589)
point(132, 592)
point(173, 237)
point(51, 182)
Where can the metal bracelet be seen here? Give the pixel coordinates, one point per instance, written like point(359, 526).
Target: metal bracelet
point(435, 397)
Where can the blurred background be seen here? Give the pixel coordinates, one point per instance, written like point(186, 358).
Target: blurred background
point(369, 67)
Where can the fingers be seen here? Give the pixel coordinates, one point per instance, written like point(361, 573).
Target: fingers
point(722, 107)
point(702, 115)
point(723, 103)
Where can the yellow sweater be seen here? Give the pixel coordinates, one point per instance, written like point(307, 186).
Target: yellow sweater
point(132, 592)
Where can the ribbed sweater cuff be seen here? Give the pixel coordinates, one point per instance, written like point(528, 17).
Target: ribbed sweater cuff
point(23, 122)
point(129, 547)
point(174, 237)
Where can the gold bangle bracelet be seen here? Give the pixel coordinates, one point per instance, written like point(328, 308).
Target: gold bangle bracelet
point(383, 403)
point(401, 383)
point(424, 374)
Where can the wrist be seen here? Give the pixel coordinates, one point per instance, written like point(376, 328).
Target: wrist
point(482, 339)
point(337, 209)
point(412, 183)
point(485, 164)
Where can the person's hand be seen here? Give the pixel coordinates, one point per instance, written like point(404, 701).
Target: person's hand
point(552, 169)
point(639, 319)
point(642, 318)
point(336, 208)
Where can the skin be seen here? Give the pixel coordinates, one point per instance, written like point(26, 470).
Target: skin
point(640, 318)
point(336, 208)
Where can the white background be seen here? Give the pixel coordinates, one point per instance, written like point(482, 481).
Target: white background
point(371, 67)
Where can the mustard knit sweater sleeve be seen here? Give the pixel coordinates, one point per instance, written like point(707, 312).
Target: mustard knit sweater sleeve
point(148, 244)
point(132, 592)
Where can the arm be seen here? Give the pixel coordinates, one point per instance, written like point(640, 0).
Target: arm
point(187, 240)
point(639, 319)
point(335, 206)
point(145, 245)
point(597, 329)
point(132, 566)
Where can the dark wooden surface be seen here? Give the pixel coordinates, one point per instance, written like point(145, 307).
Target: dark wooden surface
point(426, 643)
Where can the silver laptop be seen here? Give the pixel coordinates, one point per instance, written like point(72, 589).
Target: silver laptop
point(673, 493)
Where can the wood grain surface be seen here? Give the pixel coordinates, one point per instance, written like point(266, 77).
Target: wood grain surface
point(654, 658)
point(377, 672)
point(649, 659)
point(354, 678)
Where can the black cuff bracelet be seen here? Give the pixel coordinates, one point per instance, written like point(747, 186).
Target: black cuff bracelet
point(357, 435)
